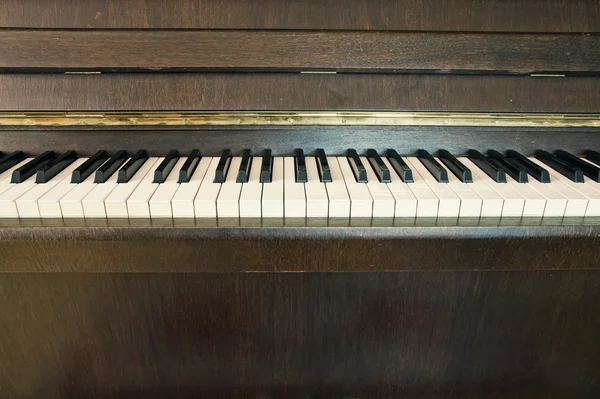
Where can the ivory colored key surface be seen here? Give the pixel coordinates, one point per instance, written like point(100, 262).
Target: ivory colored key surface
point(93, 202)
point(251, 196)
point(49, 204)
point(228, 201)
point(406, 202)
point(272, 195)
point(583, 199)
point(470, 202)
point(317, 202)
point(27, 204)
point(138, 203)
point(427, 201)
point(160, 203)
point(339, 200)
point(294, 199)
point(492, 202)
point(205, 203)
point(8, 205)
point(183, 200)
point(361, 202)
point(513, 202)
point(116, 203)
point(384, 203)
point(556, 203)
point(535, 203)
point(449, 205)
point(5, 177)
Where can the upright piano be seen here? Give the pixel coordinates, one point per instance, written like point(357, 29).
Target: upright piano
point(312, 199)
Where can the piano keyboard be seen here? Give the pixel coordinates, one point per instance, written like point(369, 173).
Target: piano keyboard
point(318, 185)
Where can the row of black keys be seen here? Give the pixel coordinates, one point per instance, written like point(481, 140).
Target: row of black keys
point(495, 164)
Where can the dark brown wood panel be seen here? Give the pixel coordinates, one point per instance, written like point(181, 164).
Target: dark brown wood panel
point(436, 334)
point(428, 15)
point(296, 249)
point(268, 91)
point(109, 50)
point(283, 140)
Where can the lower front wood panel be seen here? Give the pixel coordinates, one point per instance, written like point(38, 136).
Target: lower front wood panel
point(408, 334)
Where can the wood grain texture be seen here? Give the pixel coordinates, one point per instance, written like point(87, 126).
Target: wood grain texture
point(297, 249)
point(436, 334)
point(138, 50)
point(272, 91)
point(411, 15)
point(283, 140)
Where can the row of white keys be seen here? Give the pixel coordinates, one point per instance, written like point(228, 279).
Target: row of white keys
point(205, 203)
point(183, 200)
point(160, 203)
point(229, 195)
point(27, 204)
point(491, 201)
point(406, 202)
point(361, 202)
point(317, 202)
point(471, 202)
point(535, 203)
point(513, 202)
point(339, 199)
point(273, 193)
point(125, 200)
point(6, 176)
point(252, 191)
point(294, 194)
point(449, 205)
point(384, 204)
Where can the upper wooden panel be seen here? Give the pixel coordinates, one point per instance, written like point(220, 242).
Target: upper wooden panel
point(288, 51)
point(417, 15)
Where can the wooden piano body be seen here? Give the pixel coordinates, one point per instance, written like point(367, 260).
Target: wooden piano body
point(299, 308)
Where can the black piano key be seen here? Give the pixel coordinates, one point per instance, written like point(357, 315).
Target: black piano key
point(46, 173)
point(266, 169)
point(132, 166)
point(400, 166)
point(380, 168)
point(223, 167)
point(110, 167)
point(593, 156)
point(535, 170)
point(360, 173)
point(433, 166)
point(166, 166)
point(189, 166)
point(492, 170)
point(88, 167)
point(561, 167)
point(323, 166)
point(244, 170)
point(300, 165)
point(10, 160)
point(513, 170)
point(588, 169)
point(30, 168)
point(461, 171)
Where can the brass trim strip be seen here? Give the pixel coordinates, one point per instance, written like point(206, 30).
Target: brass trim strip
point(269, 118)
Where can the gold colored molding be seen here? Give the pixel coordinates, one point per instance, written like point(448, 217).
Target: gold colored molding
point(285, 118)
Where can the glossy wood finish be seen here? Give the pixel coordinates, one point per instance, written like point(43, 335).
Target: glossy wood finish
point(283, 140)
point(109, 50)
point(412, 334)
point(407, 15)
point(272, 91)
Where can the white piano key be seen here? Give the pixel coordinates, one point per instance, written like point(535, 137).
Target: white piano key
point(427, 201)
point(138, 203)
point(116, 203)
point(228, 201)
point(71, 204)
point(361, 202)
point(470, 202)
point(205, 203)
point(294, 200)
point(27, 204)
point(582, 198)
point(317, 202)
point(251, 196)
point(339, 200)
point(384, 203)
point(513, 201)
point(183, 200)
point(556, 203)
point(406, 202)
point(8, 204)
point(49, 204)
point(273, 193)
point(492, 202)
point(160, 203)
point(535, 203)
point(5, 177)
point(449, 205)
